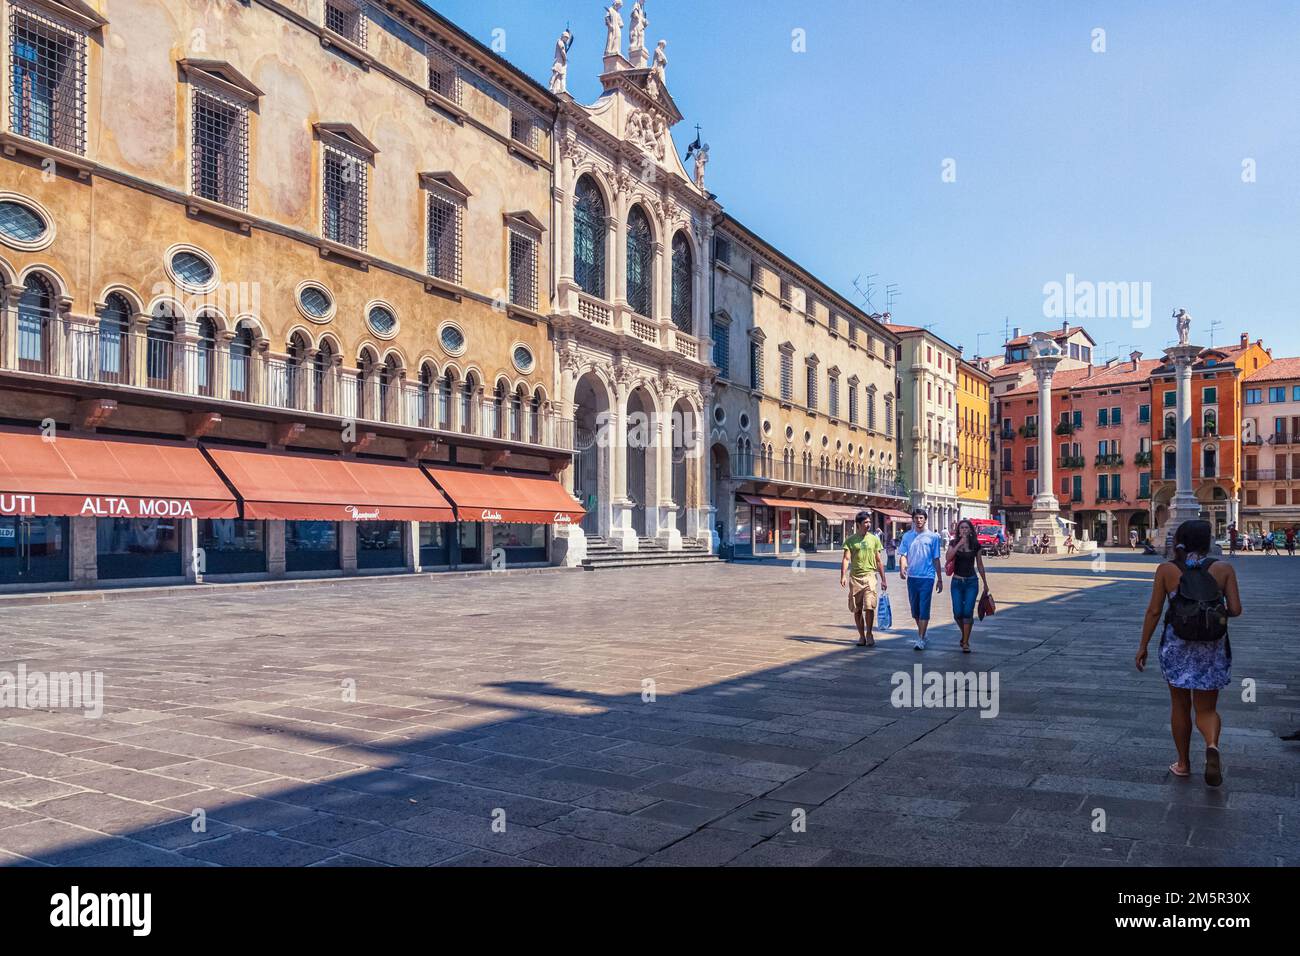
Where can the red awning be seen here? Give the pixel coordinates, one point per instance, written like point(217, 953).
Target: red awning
point(489, 496)
point(891, 513)
point(108, 478)
point(278, 485)
point(776, 502)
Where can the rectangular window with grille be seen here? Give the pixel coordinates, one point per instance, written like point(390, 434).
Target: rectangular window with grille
point(445, 225)
point(444, 78)
point(347, 18)
point(787, 377)
point(853, 404)
point(812, 386)
point(523, 128)
point(523, 269)
point(721, 250)
point(344, 195)
point(871, 410)
point(220, 149)
point(755, 365)
point(889, 417)
point(833, 387)
point(787, 290)
point(722, 348)
point(47, 66)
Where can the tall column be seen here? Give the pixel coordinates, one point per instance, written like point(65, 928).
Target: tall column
point(621, 533)
point(1184, 507)
point(1046, 509)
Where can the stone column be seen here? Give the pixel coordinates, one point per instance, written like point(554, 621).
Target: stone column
point(1184, 506)
point(9, 328)
point(275, 549)
point(348, 547)
point(621, 533)
point(85, 551)
point(1046, 509)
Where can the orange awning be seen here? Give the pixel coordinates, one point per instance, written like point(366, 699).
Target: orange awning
point(891, 513)
point(278, 485)
point(776, 502)
point(488, 496)
point(108, 478)
point(836, 512)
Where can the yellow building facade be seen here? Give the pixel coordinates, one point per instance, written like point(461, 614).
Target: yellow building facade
point(974, 440)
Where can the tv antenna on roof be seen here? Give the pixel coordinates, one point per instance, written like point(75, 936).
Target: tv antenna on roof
point(892, 295)
point(1215, 324)
point(870, 288)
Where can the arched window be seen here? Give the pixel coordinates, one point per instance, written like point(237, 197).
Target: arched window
point(1171, 425)
point(160, 346)
point(589, 233)
point(241, 364)
point(517, 403)
point(498, 409)
point(424, 395)
point(1171, 464)
point(322, 378)
point(683, 284)
point(535, 416)
point(467, 397)
point(640, 263)
point(35, 310)
point(446, 388)
point(389, 389)
point(1209, 463)
point(366, 372)
point(204, 351)
point(1211, 422)
point(295, 377)
point(115, 340)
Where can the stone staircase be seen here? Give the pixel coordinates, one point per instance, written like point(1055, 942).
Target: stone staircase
point(601, 555)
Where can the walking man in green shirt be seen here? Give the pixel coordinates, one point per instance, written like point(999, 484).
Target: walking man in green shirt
point(862, 565)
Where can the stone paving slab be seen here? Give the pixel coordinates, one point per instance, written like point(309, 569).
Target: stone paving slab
point(661, 716)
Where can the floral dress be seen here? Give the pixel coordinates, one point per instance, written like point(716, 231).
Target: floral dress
point(1195, 665)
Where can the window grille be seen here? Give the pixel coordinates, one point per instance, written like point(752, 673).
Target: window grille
point(347, 18)
point(722, 348)
point(787, 376)
point(833, 386)
point(523, 270)
point(871, 409)
point(589, 232)
point(220, 149)
point(444, 78)
point(755, 365)
point(47, 66)
point(523, 125)
point(786, 290)
point(853, 404)
point(683, 284)
point(344, 218)
point(640, 264)
point(444, 239)
point(812, 386)
point(889, 416)
point(722, 250)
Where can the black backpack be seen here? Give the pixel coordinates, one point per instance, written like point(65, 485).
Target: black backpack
point(1197, 610)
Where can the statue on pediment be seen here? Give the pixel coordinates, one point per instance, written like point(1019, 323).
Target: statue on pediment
point(613, 28)
point(659, 64)
point(636, 30)
point(701, 160)
point(560, 68)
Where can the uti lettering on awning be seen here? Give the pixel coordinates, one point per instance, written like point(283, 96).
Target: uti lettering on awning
point(492, 497)
point(283, 486)
point(108, 478)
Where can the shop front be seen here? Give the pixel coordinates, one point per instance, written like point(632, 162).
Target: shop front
point(509, 515)
point(139, 500)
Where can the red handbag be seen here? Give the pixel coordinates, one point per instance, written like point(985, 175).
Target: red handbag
point(986, 606)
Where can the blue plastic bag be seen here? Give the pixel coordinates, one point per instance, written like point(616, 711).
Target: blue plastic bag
point(884, 613)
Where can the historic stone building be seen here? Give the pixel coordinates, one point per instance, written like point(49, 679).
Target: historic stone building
point(802, 429)
point(631, 312)
point(930, 457)
point(276, 294)
point(1270, 438)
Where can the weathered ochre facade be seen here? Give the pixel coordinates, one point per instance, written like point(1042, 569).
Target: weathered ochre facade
point(974, 440)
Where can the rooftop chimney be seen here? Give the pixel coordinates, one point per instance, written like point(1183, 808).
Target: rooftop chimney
point(1065, 325)
point(1015, 332)
point(1110, 362)
point(1136, 358)
point(1245, 339)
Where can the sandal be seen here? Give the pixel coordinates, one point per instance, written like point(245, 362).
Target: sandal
point(1213, 767)
point(1173, 768)
point(965, 648)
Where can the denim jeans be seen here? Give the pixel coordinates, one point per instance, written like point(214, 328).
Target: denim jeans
point(919, 592)
point(965, 592)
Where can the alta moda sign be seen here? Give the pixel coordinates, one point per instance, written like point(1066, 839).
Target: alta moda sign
point(95, 507)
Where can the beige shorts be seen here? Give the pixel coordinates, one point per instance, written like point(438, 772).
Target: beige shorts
point(864, 592)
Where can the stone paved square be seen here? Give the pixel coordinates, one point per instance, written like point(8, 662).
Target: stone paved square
point(509, 720)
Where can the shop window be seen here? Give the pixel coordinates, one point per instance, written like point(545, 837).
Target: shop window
point(311, 546)
point(231, 546)
point(435, 544)
point(138, 548)
point(379, 544)
point(519, 542)
point(33, 550)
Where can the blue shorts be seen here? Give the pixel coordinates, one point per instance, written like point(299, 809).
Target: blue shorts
point(965, 592)
point(919, 592)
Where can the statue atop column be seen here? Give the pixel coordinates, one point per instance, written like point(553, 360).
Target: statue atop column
point(560, 68)
point(1042, 344)
point(636, 51)
point(614, 29)
point(701, 160)
point(1184, 323)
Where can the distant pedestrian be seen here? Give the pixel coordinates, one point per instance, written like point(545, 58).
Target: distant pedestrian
point(863, 572)
point(1232, 539)
point(1069, 543)
point(1198, 595)
point(965, 560)
point(1290, 541)
point(1269, 544)
point(919, 556)
point(1132, 537)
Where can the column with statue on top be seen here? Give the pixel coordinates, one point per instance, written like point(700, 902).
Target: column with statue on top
point(1044, 522)
point(1182, 357)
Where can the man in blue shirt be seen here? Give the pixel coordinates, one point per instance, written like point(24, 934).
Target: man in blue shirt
point(919, 554)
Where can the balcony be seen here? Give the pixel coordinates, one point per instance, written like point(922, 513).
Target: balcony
point(759, 469)
point(1031, 464)
point(1008, 468)
point(1071, 461)
point(1028, 431)
point(1142, 458)
point(1269, 474)
point(1064, 428)
point(1109, 461)
point(140, 363)
point(1008, 434)
point(663, 335)
point(1284, 438)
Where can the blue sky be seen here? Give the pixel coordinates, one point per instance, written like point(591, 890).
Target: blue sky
point(1116, 166)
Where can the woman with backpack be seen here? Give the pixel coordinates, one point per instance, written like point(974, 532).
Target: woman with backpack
point(1198, 594)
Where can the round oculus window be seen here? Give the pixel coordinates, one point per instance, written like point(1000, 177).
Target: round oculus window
point(315, 301)
point(452, 339)
point(523, 358)
point(192, 269)
point(382, 321)
point(20, 223)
